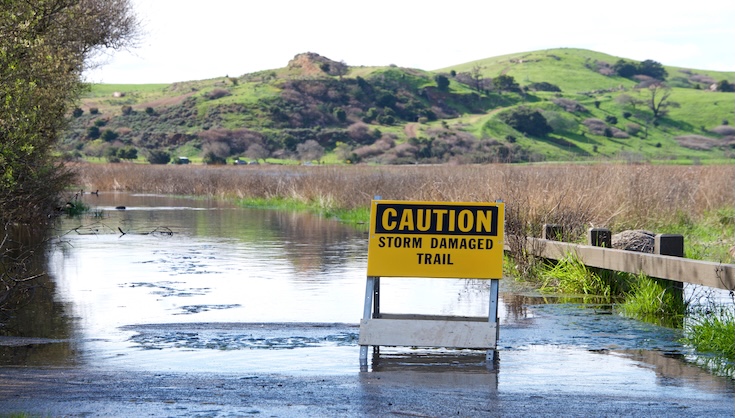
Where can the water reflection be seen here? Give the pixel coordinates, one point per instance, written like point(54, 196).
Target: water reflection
point(195, 285)
point(30, 317)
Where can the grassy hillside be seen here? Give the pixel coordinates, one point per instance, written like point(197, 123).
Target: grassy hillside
point(476, 112)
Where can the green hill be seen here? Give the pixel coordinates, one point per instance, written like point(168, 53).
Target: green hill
point(551, 105)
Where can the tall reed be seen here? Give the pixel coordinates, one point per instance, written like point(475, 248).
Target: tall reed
point(580, 196)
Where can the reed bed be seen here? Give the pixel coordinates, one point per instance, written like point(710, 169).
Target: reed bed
point(577, 196)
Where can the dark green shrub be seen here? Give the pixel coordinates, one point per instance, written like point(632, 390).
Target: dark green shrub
point(108, 135)
point(611, 119)
point(149, 111)
point(158, 157)
point(340, 114)
point(526, 120)
point(126, 110)
point(77, 112)
point(442, 82)
point(100, 122)
point(94, 111)
point(627, 115)
point(725, 86)
point(544, 86)
point(213, 159)
point(93, 132)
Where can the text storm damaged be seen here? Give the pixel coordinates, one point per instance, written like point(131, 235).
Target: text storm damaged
point(436, 239)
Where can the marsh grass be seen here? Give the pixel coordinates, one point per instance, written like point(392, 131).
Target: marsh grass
point(665, 199)
point(569, 275)
point(712, 330)
point(654, 301)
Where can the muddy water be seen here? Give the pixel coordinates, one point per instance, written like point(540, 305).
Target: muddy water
point(185, 285)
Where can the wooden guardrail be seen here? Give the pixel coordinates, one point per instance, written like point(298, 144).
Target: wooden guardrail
point(678, 269)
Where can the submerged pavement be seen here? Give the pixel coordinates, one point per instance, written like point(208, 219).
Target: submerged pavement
point(65, 392)
point(559, 360)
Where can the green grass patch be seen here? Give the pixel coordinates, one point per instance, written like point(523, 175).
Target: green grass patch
point(654, 301)
point(569, 275)
point(76, 208)
point(712, 330)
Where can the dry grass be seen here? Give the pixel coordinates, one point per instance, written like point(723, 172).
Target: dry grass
point(577, 196)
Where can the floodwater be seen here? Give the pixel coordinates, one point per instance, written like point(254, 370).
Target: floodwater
point(188, 285)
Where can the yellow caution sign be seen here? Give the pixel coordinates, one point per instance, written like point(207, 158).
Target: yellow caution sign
point(436, 239)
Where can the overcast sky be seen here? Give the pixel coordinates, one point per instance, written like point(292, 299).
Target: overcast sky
point(192, 40)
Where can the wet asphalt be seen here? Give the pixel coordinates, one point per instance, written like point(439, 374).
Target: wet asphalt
point(68, 392)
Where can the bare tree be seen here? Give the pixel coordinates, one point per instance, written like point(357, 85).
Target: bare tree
point(310, 150)
point(257, 152)
point(657, 99)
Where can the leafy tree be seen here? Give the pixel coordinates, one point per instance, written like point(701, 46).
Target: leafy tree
point(652, 69)
point(725, 86)
point(108, 135)
point(526, 120)
point(158, 157)
point(505, 82)
point(44, 46)
point(128, 153)
point(340, 114)
point(343, 151)
point(211, 157)
point(625, 68)
point(93, 132)
point(442, 82)
point(544, 86)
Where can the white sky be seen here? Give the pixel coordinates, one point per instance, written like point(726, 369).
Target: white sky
point(192, 40)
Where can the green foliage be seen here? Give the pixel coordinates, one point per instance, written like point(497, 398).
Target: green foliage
point(158, 157)
point(725, 86)
point(648, 68)
point(442, 82)
point(570, 275)
point(108, 135)
point(526, 120)
point(505, 82)
point(544, 86)
point(712, 330)
point(93, 132)
point(210, 157)
point(288, 109)
point(654, 300)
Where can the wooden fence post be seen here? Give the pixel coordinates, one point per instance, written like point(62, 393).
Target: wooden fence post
point(599, 237)
point(673, 245)
point(552, 232)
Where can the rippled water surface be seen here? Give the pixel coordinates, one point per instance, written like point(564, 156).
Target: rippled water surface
point(180, 284)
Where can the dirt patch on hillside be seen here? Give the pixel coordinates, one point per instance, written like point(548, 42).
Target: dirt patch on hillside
point(165, 101)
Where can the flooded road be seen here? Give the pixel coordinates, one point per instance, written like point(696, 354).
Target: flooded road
point(194, 289)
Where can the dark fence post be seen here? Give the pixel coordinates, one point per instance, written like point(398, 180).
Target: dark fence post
point(552, 232)
point(673, 245)
point(599, 237)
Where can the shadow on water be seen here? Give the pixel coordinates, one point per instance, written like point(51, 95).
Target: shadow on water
point(33, 326)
